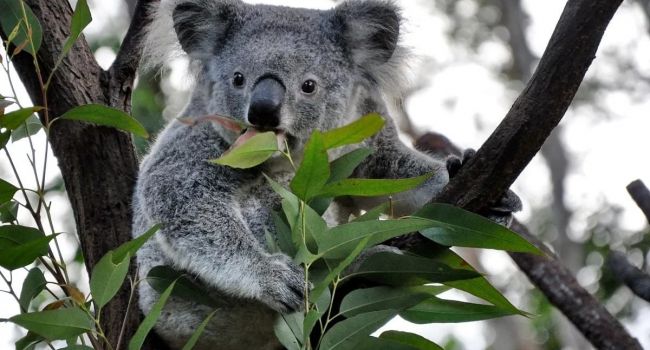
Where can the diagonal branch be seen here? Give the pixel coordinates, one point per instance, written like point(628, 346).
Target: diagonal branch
point(538, 110)
point(641, 196)
point(560, 287)
point(634, 278)
point(534, 115)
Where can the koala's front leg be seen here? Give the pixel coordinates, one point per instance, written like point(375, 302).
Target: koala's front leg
point(392, 159)
point(203, 233)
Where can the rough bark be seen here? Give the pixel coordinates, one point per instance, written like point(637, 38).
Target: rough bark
point(98, 164)
point(562, 290)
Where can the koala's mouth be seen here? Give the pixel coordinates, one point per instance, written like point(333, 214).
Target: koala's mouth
point(283, 138)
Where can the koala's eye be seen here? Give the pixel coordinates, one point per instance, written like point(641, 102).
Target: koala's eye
point(309, 86)
point(238, 79)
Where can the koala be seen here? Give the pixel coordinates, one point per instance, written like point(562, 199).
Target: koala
point(280, 69)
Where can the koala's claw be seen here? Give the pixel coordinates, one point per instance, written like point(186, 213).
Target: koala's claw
point(454, 163)
point(283, 285)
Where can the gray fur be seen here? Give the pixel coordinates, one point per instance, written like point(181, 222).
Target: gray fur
point(214, 217)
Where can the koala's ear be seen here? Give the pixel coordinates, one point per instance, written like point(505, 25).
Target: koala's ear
point(370, 30)
point(201, 25)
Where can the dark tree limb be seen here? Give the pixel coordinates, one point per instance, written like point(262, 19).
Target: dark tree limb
point(539, 108)
point(98, 164)
point(634, 278)
point(561, 289)
point(534, 115)
point(641, 196)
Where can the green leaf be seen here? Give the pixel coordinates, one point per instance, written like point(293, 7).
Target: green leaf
point(4, 137)
point(9, 212)
point(285, 335)
point(107, 277)
point(314, 170)
point(355, 132)
point(414, 341)
point(381, 298)
point(150, 320)
point(106, 116)
point(349, 259)
point(33, 285)
point(479, 287)
point(55, 324)
point(131, 247)
point(30, 127)
point(252, 152)
point(161, 277)
point(77, 347)
point(283, 235)
point(80, 19)
point(311, 319)
point(20, 246)
point(371, 187)
point(11, 16)
point(344, 166)
point(458, 227)
point(348, 333)
point(403, 269)
point(372, 343)
point(197, 333)
point(7, 191)
point(343, 238)
point(29, 341)
point(15, 119)
point(435, 310)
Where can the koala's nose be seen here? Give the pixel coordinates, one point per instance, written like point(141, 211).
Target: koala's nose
point(266, 102)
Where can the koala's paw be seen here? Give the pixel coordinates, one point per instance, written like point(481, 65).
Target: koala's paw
point(283, 284)
point(500, 212)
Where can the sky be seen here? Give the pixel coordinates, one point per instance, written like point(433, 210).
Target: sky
point(608, 147)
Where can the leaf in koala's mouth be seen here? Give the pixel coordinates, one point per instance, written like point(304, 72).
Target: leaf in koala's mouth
point(250, 149)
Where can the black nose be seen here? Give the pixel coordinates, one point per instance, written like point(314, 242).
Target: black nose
point(266, 102)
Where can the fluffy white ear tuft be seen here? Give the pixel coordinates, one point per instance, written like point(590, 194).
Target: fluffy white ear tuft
point(370, 30)
point(194, 28)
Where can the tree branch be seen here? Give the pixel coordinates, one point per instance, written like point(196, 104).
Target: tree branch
point(641, 196)
point(634, 278)
point(534, 115)
point(98, 164)
point(537, 111)
point(561, 289)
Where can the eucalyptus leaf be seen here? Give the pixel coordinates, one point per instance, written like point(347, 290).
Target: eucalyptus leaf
point(131, 247)
point(314, 170)
point(9, 212)
point(349, 333)
point(371, 187)
point(107, 278)
point(436, 310)
point(12, 16)
point(4, 137)
point(380, 298)
point(285, 335)
point(30, 127)
point(106, 116)
point(20, 246)
point(150, 320)
point(252, 152)
point(80, 19)
point(343, 167)
point(198, 332)
point(15, 119)
point(416, 342)
point(29, 341)
point(7, 191)
point(403, 269)
point(33, 285)
point(56, 324)
point(458, 227)
point(372, 343)
point(354, 132)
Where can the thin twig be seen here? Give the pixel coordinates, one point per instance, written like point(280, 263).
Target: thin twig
point(641, 195)
point(628, 274)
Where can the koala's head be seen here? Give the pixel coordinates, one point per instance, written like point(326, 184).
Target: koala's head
point(286, 69)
